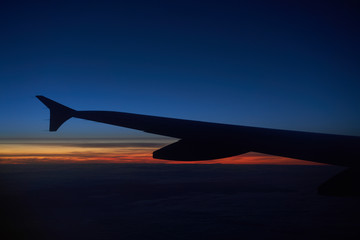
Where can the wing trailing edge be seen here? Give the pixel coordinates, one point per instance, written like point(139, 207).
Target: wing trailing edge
point(192, 150)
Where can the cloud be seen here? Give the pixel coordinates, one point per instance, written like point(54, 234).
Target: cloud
point(110, 151)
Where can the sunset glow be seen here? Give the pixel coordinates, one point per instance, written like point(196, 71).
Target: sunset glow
point(110, 151)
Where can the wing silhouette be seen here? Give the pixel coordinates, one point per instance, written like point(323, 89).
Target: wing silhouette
point(206, 141)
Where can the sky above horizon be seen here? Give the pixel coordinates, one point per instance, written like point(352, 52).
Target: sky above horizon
point(259, 63)
point(276, 64)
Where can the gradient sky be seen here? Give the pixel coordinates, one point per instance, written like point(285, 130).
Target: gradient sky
point(258, 63)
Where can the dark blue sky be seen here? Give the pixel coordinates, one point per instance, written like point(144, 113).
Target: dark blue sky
point(260, 63)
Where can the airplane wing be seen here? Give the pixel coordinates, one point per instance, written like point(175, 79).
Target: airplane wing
point(206, 141)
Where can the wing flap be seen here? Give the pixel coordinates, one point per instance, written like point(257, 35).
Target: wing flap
point(192, 150)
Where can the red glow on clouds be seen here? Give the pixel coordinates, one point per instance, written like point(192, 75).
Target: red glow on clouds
point(111, 151)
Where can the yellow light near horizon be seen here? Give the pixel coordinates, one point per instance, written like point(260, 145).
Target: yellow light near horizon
point(58, 152)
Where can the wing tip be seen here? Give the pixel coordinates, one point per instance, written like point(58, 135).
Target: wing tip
point(58, 112)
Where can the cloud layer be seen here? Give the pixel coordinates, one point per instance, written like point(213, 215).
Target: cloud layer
point(25, 151)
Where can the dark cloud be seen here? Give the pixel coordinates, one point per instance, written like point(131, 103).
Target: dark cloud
point(157, 201)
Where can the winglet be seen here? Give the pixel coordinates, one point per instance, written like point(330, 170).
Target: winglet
point(58, 112)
